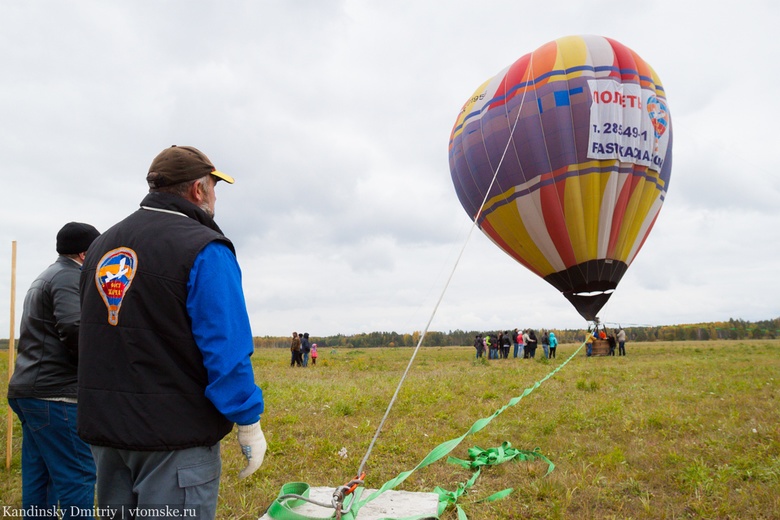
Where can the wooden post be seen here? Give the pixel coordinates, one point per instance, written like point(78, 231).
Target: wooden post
point(9, 444)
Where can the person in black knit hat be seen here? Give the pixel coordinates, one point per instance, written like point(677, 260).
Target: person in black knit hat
point(57, 466)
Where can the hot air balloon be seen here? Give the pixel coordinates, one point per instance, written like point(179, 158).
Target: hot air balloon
point(563, 160)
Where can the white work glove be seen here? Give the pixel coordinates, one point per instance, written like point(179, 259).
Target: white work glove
point(253, 446)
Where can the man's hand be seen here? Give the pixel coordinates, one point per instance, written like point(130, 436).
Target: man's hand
point(253, 446)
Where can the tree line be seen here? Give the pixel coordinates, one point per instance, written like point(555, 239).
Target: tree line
point(721, 330)
point(733, 329)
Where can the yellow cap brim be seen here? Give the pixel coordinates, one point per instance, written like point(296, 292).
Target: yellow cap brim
point(224, 176)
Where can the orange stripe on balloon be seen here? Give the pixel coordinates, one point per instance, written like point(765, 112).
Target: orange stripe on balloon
point(555, 221)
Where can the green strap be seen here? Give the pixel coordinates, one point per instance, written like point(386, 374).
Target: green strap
point(480, 458)
point(448, 498)
point(446, 447)
point(436, 454)
point(503, 453)
point(284, 508)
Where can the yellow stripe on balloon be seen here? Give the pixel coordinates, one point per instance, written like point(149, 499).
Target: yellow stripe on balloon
point(508, 224)
point(589, 192)
point(639, 204)
point(575, 52)
point(468, 107)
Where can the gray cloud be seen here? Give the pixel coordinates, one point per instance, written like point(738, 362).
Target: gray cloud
point(334, 118)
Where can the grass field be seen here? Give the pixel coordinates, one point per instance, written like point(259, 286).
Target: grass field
point(672, 430)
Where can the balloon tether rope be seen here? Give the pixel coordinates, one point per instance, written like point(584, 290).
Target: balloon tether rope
point(341, 492)
point(446, 285)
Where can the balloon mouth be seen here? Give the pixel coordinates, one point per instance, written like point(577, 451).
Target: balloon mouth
point(587, 294)
point(588, 304)
point(589, 285)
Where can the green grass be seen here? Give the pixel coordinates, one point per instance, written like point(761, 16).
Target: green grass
point(673, 430)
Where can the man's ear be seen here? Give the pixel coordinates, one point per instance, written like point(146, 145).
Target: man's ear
point(196, 192)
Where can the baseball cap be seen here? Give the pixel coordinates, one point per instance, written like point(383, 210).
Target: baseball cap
point(180, 164)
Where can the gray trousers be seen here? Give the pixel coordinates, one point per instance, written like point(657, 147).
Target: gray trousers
point(154, 484)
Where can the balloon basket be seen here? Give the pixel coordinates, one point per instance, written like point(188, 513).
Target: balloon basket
point(600, 348)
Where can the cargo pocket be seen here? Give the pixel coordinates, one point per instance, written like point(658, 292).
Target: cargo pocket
point(200, 483)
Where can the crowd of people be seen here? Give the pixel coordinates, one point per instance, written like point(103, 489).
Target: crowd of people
point(301, 350)
point(523, 344)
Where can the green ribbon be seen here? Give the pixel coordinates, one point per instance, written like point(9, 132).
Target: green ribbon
point(436, 454)
point(284, 508)
point(499, 455)
point(448, 498)
point(478, 458)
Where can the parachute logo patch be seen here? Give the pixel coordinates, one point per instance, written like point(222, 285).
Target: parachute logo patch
point(113, 276)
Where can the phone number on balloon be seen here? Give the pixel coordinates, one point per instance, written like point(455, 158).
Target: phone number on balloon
point(615, 128)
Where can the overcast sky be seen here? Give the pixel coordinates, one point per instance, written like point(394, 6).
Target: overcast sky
point(334, 118)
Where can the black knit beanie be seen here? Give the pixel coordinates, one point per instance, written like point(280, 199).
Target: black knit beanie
point(75, 237)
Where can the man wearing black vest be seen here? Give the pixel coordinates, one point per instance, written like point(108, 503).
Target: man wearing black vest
point(165, 346)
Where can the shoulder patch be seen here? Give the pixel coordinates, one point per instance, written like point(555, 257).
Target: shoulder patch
point(113, 276)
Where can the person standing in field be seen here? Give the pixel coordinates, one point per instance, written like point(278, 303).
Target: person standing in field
point(314, 354)
point(611, 342)
point(520, 343)
point(526, 345)
point(506, 342)
point(589, 339)
point(532, 343)
point(305, 349)
point(295, 350)
point(165, 347)
point(516, 339)
point(479, 345)
point(57, 466)
point(553, 344)
point(546, 344)
point(621, 339)
point(489, 346)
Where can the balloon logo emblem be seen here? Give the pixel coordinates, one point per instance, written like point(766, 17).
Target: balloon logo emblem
point(659, 116)
point(113, 276)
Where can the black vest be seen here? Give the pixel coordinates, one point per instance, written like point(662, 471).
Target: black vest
point(141, 380)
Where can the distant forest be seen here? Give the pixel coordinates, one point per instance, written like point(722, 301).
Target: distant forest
point(722, 330)
point(732, 329)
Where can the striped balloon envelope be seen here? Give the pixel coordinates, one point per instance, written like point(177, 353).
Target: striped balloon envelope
point(563, 160)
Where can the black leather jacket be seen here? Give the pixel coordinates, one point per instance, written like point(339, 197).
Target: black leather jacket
point(48, 340)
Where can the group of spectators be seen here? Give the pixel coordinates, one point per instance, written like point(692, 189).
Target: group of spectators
point(301, 349)
point(522, 343)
